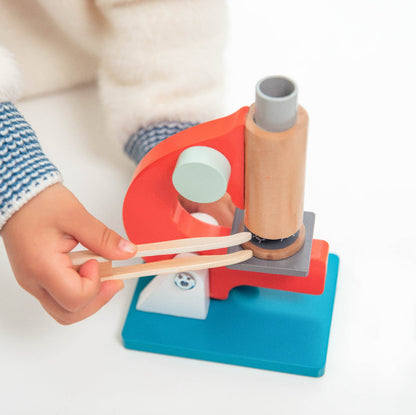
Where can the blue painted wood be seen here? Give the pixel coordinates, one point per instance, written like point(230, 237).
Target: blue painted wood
point(254, 327)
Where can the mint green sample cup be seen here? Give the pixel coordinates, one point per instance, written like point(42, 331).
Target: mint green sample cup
point(201, 174)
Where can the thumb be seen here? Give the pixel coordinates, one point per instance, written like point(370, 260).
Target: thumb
point(100, 239)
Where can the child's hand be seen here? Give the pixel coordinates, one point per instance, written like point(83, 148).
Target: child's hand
point(38, 238)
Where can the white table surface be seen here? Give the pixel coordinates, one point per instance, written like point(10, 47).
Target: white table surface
point(355, 66)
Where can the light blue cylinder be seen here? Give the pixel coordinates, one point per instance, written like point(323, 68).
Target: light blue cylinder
point(201, 174)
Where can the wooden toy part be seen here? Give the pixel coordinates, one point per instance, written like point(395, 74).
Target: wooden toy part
point(152, 210)
point(179, 264)
point(276, 254)
point(222, 281)
point(179, 246)
point(275, 178)
point(175, 265)
point(201, 174)
point(182, 295)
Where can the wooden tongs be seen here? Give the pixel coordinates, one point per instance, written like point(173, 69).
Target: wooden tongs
point(181, 264)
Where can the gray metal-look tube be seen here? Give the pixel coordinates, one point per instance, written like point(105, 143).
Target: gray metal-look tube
point(276, 104)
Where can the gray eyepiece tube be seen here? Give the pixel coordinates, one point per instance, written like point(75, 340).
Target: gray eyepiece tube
point(276, 104)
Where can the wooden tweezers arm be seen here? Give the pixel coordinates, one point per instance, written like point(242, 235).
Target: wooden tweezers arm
point(191, 263)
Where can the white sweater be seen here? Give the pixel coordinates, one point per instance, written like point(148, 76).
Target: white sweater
point(158, 64)
point(155, 60)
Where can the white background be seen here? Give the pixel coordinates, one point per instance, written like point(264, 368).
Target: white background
point(355, 66)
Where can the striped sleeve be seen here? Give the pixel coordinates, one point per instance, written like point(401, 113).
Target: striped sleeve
point(24, 169)
point(145, 138)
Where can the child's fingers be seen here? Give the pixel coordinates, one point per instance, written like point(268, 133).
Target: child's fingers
point(107, 290)
point(70, 289)
point(97, 237)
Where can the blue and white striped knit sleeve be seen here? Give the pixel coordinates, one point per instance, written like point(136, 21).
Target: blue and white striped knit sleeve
point(24, 169)
point(145, 138)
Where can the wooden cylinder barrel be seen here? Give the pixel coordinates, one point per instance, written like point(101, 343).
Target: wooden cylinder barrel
point(274, 182)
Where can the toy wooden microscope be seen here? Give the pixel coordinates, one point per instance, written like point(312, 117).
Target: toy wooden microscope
point(272, 311)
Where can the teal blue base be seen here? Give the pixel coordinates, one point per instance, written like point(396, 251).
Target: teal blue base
point(255, 327)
